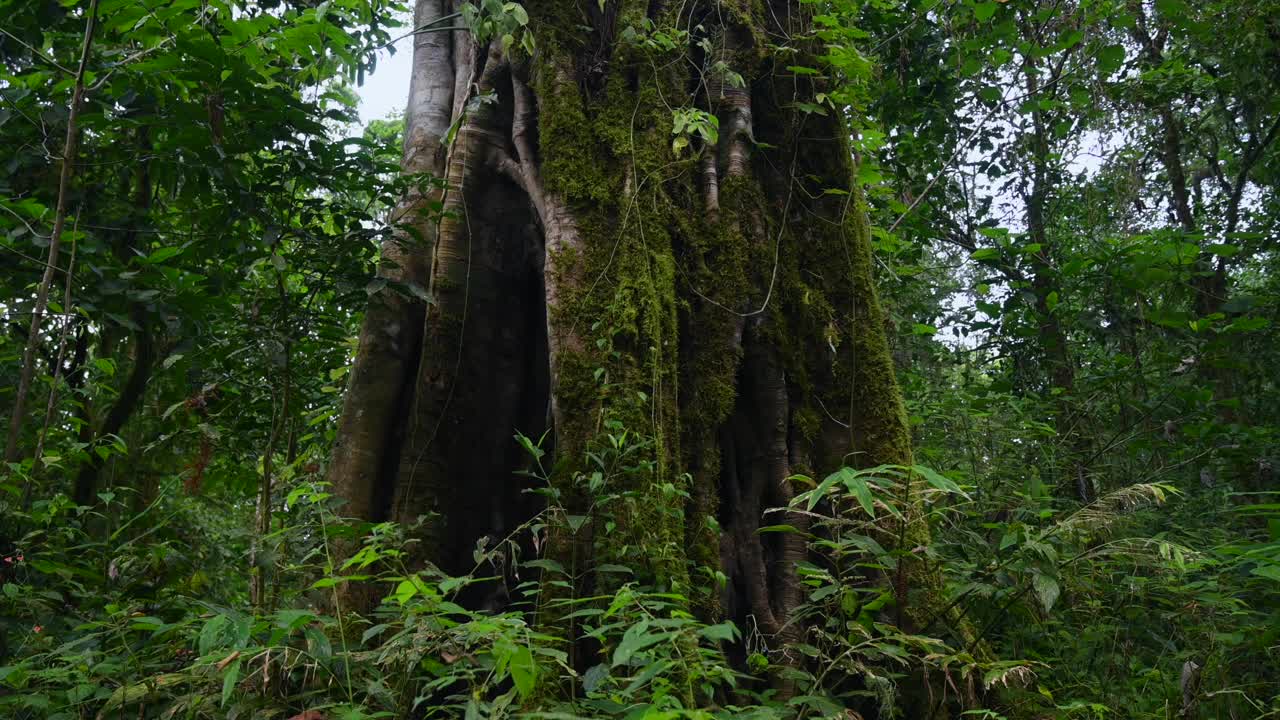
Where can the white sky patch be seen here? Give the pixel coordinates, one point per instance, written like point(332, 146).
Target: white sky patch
point(386, 90)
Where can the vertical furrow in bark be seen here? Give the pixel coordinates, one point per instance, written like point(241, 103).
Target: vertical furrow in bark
point(390, 334)
point(461, 277)
point(716, 261)
point(771, 410)
point(604, 134)
point(745, 482)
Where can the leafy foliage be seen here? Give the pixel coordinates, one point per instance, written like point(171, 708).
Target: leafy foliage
point(1075, 222)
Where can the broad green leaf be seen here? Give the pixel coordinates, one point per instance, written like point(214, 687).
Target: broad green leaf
point(1268, 571)
point(1110, 58)
point(229, 680)
point(1046, 589)
point(936, 480)
point(857, 485)
point(524, 670)
point(721, 632)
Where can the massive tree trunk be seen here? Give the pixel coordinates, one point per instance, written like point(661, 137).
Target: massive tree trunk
point(587, 276)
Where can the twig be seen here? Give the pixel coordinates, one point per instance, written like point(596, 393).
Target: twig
point(55, 241)
point(57, 370)
point(425, 28)
point(35, 51)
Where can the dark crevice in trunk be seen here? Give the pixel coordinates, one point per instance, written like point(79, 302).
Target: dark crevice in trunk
point(388, 464)
point(762, 590)
point(459, 459)
point(593, 62)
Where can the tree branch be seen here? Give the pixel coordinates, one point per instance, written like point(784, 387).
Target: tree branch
point(11, 452)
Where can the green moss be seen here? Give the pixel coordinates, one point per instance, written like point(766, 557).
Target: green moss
point(606, 152)
point(602, 154)
point(880, 428)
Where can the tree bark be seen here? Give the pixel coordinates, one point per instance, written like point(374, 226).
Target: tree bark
point(362, 465)
point(587, 277)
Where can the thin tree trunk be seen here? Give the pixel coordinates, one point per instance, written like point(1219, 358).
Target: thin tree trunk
point(283, 423)
point(12, 452)
point(1073, 476)
point(60, 358)
point(1209, 282)
point(144, 352)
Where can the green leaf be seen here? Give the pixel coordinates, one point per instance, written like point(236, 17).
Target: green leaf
point(778, 529)
point(406, 590)
point(524, 670)
point(817, 494)
point(858, 486)
point(1248, 324)
point(636, 638)
point(294, 619)
point(1046, 589)
point(545, 564)
point(594, 677)
point(1270, 572)
point(162, 254)
point(720, 632)
point(214, 635)
point(1110, 58)
point(984, 10)
point(373, 632)
point(229, 681)
point(936, 480)
point(517, 12)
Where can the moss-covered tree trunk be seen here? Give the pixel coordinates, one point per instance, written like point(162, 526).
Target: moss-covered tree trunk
point(597, 268)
